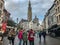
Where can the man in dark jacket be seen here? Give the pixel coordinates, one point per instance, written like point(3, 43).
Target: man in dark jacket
point(40, 33)
point(44, 34)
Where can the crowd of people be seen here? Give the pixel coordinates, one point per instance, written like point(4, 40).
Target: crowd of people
point(25, 36)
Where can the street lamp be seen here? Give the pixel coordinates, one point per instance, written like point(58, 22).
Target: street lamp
point(17, 20)
point(17, 23)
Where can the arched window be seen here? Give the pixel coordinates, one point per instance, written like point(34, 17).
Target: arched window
point(0, 12)
point(0, 5)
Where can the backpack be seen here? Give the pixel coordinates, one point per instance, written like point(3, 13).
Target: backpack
point(32, 35)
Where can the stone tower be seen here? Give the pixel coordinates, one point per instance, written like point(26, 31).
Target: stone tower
point(29, 12)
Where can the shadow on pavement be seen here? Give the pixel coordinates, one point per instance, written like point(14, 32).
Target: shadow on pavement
point(55, 37)
point(42, 43)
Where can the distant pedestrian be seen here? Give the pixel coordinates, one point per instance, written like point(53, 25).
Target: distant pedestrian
point(20, 35)
point(11, 36)
point(37, 34)
point(40, 34)
point(31, 37)
point(25, 37)
point(44, 34)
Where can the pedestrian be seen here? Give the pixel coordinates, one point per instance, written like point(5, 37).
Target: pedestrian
point(25, 38)
point(40, 34)
point(31, 37)
point(1, 35)
point(11, 36)
point(20, 36)
point(37, 34)
point(44, 34)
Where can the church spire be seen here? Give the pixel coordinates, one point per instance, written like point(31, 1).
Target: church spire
point(35, 16)
point(29, 4)
point(29, 12)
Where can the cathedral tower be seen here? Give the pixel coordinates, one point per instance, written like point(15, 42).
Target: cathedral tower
point(29, 12)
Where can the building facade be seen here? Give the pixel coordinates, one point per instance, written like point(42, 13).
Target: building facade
point(1, 9)
point(46, 21)
point(24, 24)
point(57, 8)
point(29, 23)
point(4, 14)
point(50, 17)
point(53, 15)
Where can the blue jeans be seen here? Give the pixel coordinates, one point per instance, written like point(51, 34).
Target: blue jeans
point(20, 42)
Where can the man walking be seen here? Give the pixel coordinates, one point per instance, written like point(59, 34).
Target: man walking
point(44, 34)
point(40, 33)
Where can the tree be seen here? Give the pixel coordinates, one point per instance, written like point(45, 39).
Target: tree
point(19, 27)
point(11, 23)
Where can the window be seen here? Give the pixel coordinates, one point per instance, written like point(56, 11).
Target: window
point(57, 2)
point(59, 17)
point(2, 0)
point(0, 5)
point(58, 9)
point(0, 12)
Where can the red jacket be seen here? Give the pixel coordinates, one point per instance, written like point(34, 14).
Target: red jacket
point(20, 35)
point(29, 36)
point(4, 26)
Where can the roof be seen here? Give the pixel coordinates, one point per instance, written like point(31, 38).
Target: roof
point(23, 20)
point(5, 11)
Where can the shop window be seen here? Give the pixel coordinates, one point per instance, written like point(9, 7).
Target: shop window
point(0, 5)
point(57, 2)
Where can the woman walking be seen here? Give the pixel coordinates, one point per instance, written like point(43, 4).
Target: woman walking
point(11, 36)
point(20, 36)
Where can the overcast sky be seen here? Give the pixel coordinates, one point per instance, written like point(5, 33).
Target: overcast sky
point(19, 8)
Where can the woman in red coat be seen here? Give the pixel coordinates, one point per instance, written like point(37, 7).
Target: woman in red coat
point(31, 37)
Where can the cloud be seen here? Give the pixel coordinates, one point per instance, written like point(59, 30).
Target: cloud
point(19, 8)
